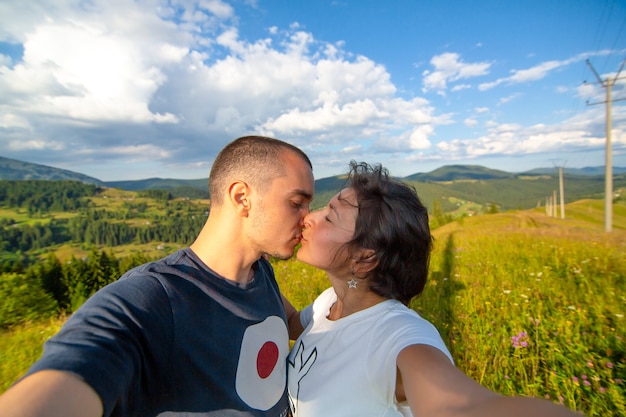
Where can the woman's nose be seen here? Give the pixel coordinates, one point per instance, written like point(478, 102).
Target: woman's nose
point(308, 219)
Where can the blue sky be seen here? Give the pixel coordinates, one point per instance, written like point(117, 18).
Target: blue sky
point(124, 89)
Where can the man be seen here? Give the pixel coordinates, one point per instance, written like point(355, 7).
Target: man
point(201, 332)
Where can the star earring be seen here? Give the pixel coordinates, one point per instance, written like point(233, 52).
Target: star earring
point(352, 283)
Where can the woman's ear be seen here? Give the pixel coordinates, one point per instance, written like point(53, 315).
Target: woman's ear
point(364, 262)
point(239, 195)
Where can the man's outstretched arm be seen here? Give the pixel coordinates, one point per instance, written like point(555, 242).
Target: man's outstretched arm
point(51, 393)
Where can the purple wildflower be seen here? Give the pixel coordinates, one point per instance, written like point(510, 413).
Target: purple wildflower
point(520, 340)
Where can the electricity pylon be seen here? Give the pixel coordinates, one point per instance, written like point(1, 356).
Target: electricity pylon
point(608, 167)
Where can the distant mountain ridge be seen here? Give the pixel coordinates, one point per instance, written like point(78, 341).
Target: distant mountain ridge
point(460, 172)
point(458, 188)
point(587, 171)
point(12, 169)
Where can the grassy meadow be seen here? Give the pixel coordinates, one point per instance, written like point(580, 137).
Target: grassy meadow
point(528, 305)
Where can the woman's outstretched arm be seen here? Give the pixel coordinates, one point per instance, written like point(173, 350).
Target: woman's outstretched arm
point(433, 386)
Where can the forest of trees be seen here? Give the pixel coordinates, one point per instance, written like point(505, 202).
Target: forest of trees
point(90, 226)
point(34, 283)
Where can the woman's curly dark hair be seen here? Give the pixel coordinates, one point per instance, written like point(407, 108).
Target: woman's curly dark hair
point(393, 222)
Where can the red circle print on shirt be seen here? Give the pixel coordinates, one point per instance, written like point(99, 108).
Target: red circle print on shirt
point(262, 372)
point(266, 359)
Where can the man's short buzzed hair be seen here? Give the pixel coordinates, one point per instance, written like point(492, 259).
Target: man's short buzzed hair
point(253, 159)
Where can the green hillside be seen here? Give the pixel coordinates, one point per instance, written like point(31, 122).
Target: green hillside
point(455, 189)
point(12, 169)
point(160, 184)
point(460, 172)
point(518, 192)
point(555, 285)
point(198, 188)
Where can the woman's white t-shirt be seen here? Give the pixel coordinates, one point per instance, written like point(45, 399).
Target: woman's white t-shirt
point(347, 367)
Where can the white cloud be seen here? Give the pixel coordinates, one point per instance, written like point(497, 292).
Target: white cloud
point(516, 140)
point(352, 149)
point(82, 65)
point(460, 87)
point(36, 144)
point(11, 120)
point(146, 80)
point(185, 64)
point(217, 7)
point(449, 68)
point(509, 98)
point(418, 138)
point(469, 122)
point(538, 72)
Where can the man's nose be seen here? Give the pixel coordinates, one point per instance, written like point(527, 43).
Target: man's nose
point(306, 220)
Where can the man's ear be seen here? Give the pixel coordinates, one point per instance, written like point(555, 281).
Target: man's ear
point(365, 262)
point(239, 195)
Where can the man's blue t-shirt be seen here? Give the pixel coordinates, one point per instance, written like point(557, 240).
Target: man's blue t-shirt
point(171, 338)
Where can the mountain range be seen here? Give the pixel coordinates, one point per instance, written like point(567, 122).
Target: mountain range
point(452, 183)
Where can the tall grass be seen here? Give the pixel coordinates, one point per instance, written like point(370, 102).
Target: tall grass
point(21, 346)
point(528, 305)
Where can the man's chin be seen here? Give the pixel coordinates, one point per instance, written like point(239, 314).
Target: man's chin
point(282, 256)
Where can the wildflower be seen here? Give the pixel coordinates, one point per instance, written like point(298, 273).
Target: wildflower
point(520, 340)
point(589, 364)
point(561, 399)
point(507, 377)
point(575, 379)
point(602, 390)
point(587, 383)
point(609, 365)
point(618, 381)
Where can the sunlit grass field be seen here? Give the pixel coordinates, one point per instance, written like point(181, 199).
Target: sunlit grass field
point(527, 304)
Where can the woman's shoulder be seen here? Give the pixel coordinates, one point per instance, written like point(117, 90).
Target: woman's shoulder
point(399, 316)
point(326, 296)
point(405, 326)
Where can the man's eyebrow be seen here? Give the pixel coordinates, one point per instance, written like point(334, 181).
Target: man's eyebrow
point(303, 193)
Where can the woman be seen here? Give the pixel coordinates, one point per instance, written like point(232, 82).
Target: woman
point(360, 351)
